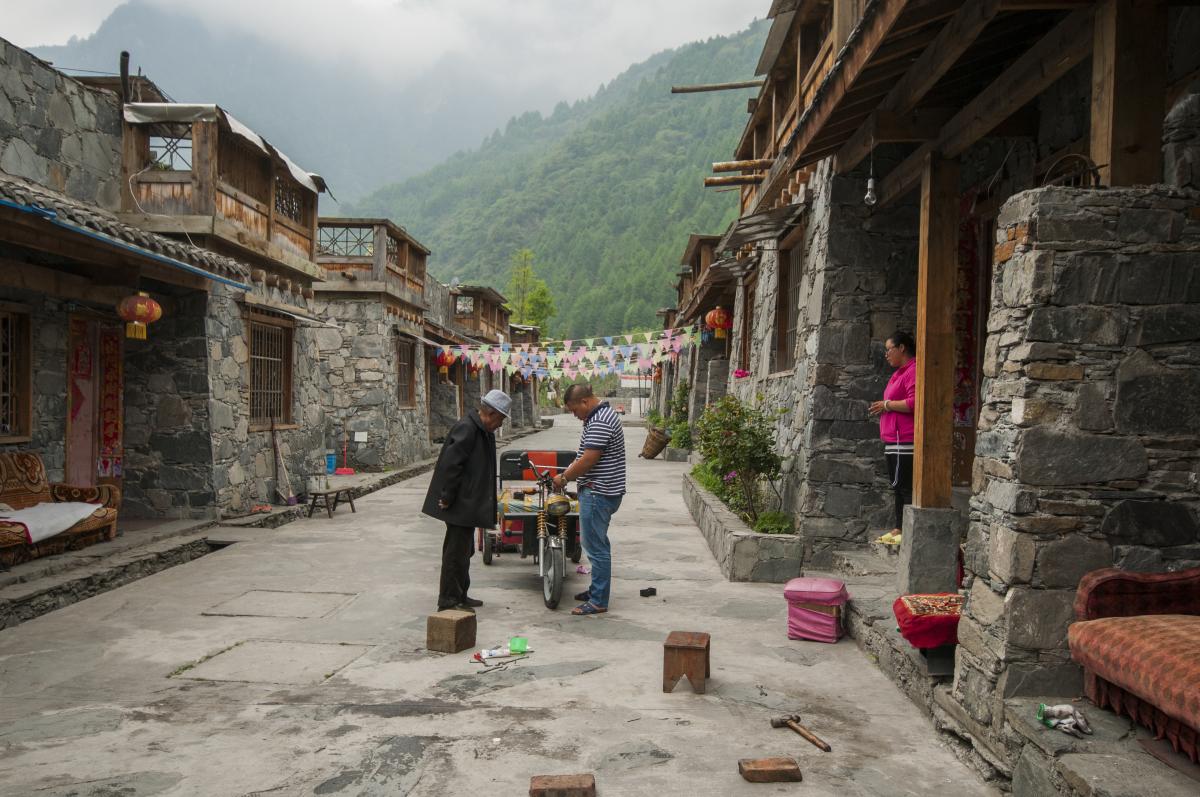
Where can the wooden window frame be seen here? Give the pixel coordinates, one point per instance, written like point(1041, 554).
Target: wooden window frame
point(21, 372)
point(790, 269)
point(287, 367)
point(406, 373)
point(747, 333)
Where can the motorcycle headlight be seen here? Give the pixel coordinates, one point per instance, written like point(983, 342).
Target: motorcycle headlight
point(557, 506)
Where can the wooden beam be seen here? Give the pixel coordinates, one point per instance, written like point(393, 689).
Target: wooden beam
point(1129, 90)
point(1065, 46)
point(742, 166)
point(740, 179)
point(844, 17)
point(204, 168)
point(42, 280)
point(946, 48)
point(888, 127)
point(379, 251)
point(741, 84)
point(937, 265)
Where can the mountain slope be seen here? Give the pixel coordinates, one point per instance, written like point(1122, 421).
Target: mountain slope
point(605, 192)
point(360, 132)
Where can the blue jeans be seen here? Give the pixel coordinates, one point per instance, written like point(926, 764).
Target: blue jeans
point(595, 512)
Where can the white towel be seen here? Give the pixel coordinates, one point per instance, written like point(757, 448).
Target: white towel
point(44, 520)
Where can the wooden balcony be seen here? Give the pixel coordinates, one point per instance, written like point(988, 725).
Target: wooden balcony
point(371, 255)
point(193, 170)
point(480, 312)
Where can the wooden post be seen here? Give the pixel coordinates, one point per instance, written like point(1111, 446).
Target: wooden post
point(135, 154)
point(845, 17)
point(938, 264)
point(379, 250)
point(204, 168)
point(1129, 85)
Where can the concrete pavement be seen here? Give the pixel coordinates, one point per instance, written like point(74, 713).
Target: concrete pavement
point(293, 663)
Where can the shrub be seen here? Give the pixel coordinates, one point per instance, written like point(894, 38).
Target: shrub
point(654, 419)
point(678, 427)
point(739, 441)
point(774, 523)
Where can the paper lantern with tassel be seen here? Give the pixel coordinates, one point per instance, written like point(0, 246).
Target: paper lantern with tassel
point(138, 312)
point(444, 360)
point(719, 321)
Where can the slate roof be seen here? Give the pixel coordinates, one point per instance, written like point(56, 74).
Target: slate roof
point(94, 218)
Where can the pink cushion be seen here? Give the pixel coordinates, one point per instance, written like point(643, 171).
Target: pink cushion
point(826, 591)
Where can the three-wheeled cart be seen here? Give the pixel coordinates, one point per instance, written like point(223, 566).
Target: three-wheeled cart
point(523, 524)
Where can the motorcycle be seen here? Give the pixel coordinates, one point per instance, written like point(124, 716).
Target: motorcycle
point(540, 520)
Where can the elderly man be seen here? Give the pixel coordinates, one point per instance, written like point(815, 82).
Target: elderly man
point(462, 494)
point(600, 468)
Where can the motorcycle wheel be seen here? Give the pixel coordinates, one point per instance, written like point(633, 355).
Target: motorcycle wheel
point(488, 542)
point(552, 580)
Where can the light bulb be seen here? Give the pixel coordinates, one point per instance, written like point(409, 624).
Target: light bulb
point(870, 199)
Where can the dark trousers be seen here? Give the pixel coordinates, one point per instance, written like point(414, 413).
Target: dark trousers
point(456, 565)
point(900, 467)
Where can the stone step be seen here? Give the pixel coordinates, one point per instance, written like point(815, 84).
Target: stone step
point(26, 600)
point(864, 562)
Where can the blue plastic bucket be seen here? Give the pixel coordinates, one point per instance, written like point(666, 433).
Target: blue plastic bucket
point(330, 463)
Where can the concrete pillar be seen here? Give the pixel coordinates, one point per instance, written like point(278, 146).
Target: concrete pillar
point(717, 380)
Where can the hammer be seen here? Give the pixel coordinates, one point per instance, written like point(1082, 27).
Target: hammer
point(793, 721)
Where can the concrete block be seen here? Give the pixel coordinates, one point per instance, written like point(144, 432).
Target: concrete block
point(450, 631)
point(562, 786)
point(929, 550)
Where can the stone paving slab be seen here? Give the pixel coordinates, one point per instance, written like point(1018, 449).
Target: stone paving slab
point(281, 603)
point(87, 701)
point(276, 661)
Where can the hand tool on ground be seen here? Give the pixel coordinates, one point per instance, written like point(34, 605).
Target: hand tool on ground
point(793, 721)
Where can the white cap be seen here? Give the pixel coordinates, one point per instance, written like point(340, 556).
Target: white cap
point(499, 401)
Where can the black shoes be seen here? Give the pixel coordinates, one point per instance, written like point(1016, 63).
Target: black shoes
point(471, 602)
point(583, 596)
point(465, 605)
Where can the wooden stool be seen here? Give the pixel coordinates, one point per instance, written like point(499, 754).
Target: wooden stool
point(330, 499)
point(686, 653)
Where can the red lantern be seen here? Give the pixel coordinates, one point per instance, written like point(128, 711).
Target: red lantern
point(444, 360)
point(719, 320)
point(137, 312)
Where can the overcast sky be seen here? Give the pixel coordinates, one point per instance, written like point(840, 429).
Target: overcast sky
point(582, 42)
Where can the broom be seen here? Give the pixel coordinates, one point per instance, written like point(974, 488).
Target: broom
point(283, 483)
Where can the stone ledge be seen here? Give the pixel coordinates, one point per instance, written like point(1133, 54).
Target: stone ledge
point(742, 554)
point(25, 601)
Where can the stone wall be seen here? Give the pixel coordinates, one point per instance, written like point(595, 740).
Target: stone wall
point(708, 351)
point(56, 132)
point(48, 318)
point(1089, 446)
point(858, 285)
point(168, 446)
point(358, 362)
point(244, 460)
point(443, 407)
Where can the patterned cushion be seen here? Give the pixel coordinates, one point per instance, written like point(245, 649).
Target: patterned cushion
point(1155, 657)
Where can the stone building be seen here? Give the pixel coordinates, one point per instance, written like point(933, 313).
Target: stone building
point(374, 363)
point(105, 199)
point(1030, 212)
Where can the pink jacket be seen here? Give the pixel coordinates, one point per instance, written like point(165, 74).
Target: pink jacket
point(897, 427)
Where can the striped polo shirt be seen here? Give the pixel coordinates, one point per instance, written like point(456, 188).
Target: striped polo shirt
point(602, 431)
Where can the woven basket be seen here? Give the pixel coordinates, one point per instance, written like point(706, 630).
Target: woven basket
point(656, 441)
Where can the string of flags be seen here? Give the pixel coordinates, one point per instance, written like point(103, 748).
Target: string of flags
point(635, 353)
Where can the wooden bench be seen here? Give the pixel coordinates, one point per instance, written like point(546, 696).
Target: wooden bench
point(329, 499)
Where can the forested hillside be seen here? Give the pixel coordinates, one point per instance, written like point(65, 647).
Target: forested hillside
point(605, 192)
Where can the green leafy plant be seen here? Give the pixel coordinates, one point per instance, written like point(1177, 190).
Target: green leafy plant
point(738, 439)
point(774, 523)
point(678, 428)
point(654, 419)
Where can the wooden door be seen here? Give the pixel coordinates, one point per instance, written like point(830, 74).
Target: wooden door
point(95, 406)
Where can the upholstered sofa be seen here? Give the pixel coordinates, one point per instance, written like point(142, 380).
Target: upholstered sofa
point(23, 484)
point(1137, 637)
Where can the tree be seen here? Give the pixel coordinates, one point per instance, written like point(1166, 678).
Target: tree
point(529, 298)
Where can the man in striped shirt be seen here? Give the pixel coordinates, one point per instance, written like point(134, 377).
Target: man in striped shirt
point(600, 469)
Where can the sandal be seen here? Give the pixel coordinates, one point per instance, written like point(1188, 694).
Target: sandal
point(588, 609)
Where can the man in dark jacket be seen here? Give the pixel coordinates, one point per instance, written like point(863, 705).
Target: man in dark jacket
point(462, 494)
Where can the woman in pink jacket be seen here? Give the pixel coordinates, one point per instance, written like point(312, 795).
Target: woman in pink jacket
point(895, 413)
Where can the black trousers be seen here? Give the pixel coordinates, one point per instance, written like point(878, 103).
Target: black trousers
point(900, 475)
point(457, 549)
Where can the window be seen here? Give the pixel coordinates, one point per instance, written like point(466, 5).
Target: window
point(347, 241)
point(464, 305)
point(787, 308)
point(171, 147)
point(270, 370)
point(15, 376)
point(406, 373)
point(289, 199)
point(747, 333)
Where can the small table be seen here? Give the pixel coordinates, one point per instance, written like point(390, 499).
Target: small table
point(330, 499)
